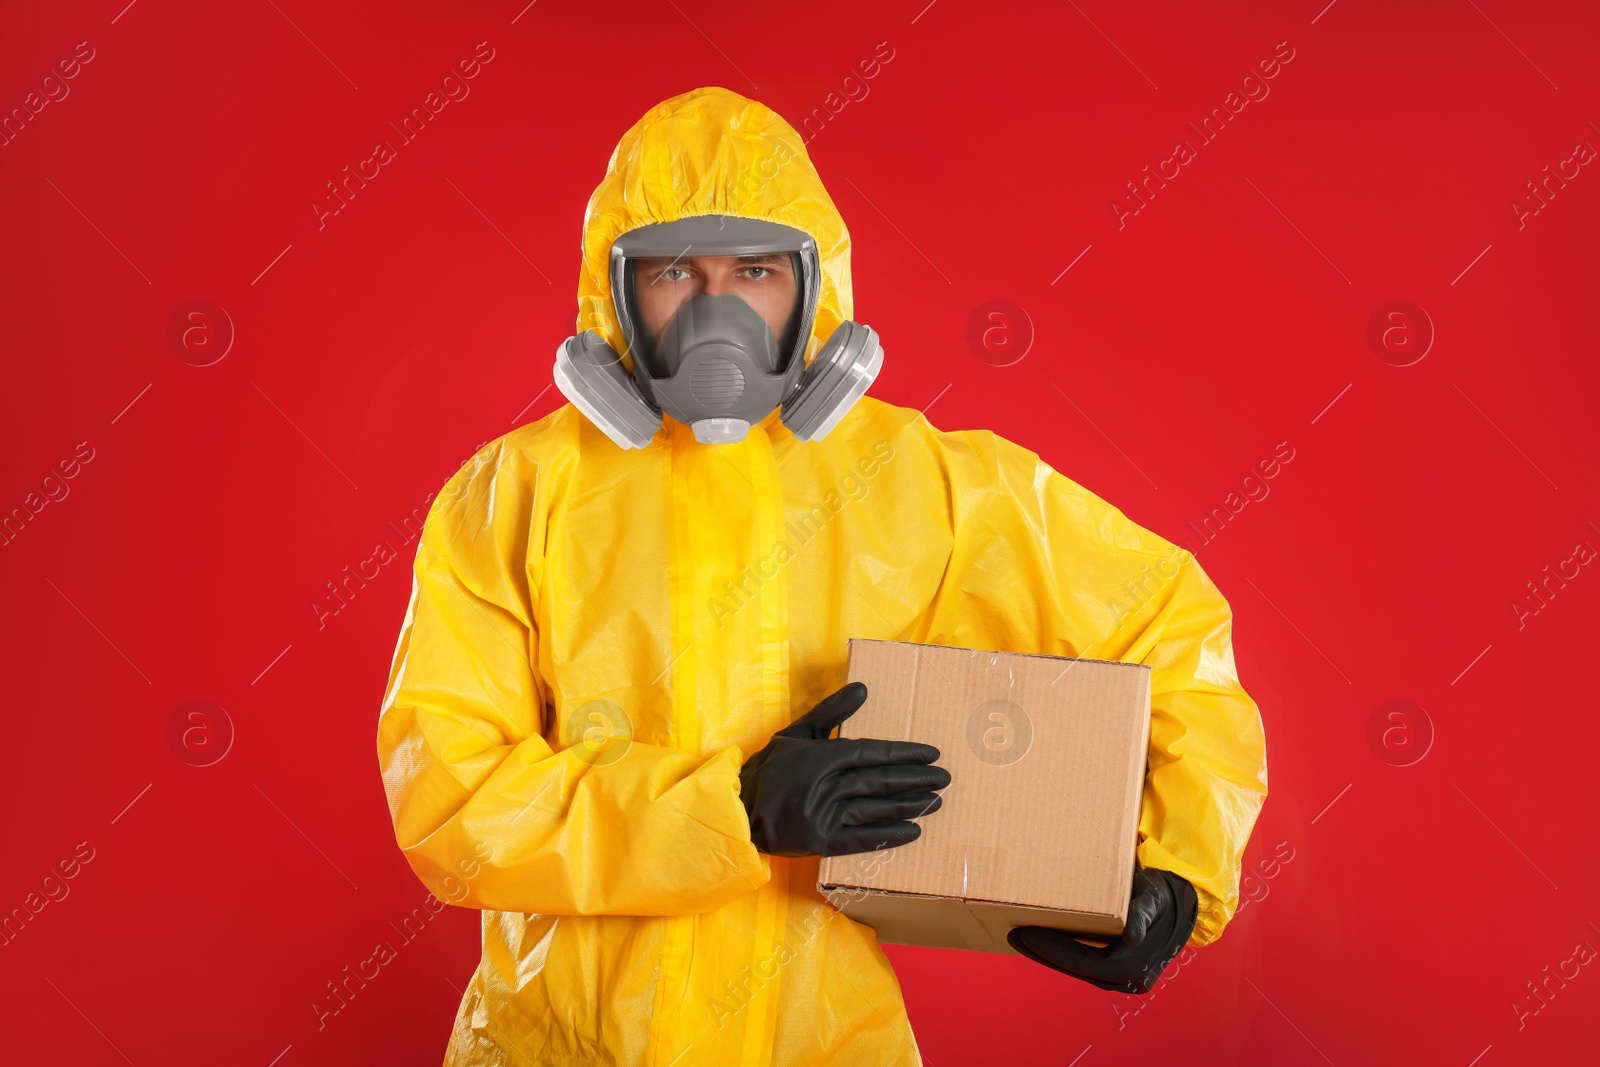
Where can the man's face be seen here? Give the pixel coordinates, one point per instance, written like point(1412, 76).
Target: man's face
point(765, 282)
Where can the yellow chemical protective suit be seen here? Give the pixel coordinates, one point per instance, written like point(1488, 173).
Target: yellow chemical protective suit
point(597, 638)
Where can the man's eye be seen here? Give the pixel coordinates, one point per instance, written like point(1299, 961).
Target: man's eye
point(672, 274)
point(757, 273)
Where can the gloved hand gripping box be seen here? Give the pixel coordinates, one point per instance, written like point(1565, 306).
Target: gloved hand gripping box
point(1040, 821)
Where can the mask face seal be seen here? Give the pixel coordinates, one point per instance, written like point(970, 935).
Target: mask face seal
point(717, 366)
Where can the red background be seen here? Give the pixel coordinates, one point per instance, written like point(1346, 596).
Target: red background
point(379, 351)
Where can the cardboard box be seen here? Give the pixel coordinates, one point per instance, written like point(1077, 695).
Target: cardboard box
point(1041, 819)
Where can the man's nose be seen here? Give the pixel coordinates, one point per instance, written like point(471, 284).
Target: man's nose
point(718, 282)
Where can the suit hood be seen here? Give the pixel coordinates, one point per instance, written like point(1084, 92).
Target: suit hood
point(711, 152)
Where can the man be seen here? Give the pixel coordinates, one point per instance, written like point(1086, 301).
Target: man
point(607, 724)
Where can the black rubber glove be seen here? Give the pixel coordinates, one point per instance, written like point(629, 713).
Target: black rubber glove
point(1160, 919)
point(809, 795)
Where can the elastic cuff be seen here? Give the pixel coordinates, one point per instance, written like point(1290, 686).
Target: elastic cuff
point(1212, 918)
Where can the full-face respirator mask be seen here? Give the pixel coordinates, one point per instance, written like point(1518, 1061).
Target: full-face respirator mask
point(717, 366)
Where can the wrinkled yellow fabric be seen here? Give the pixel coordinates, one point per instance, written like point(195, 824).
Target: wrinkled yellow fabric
point(597, 638)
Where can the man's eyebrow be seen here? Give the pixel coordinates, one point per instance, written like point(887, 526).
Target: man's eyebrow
point(756, 258)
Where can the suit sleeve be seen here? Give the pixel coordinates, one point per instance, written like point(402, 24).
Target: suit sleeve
point(488, 812)
point(1097, 585)
point(1207, 775)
